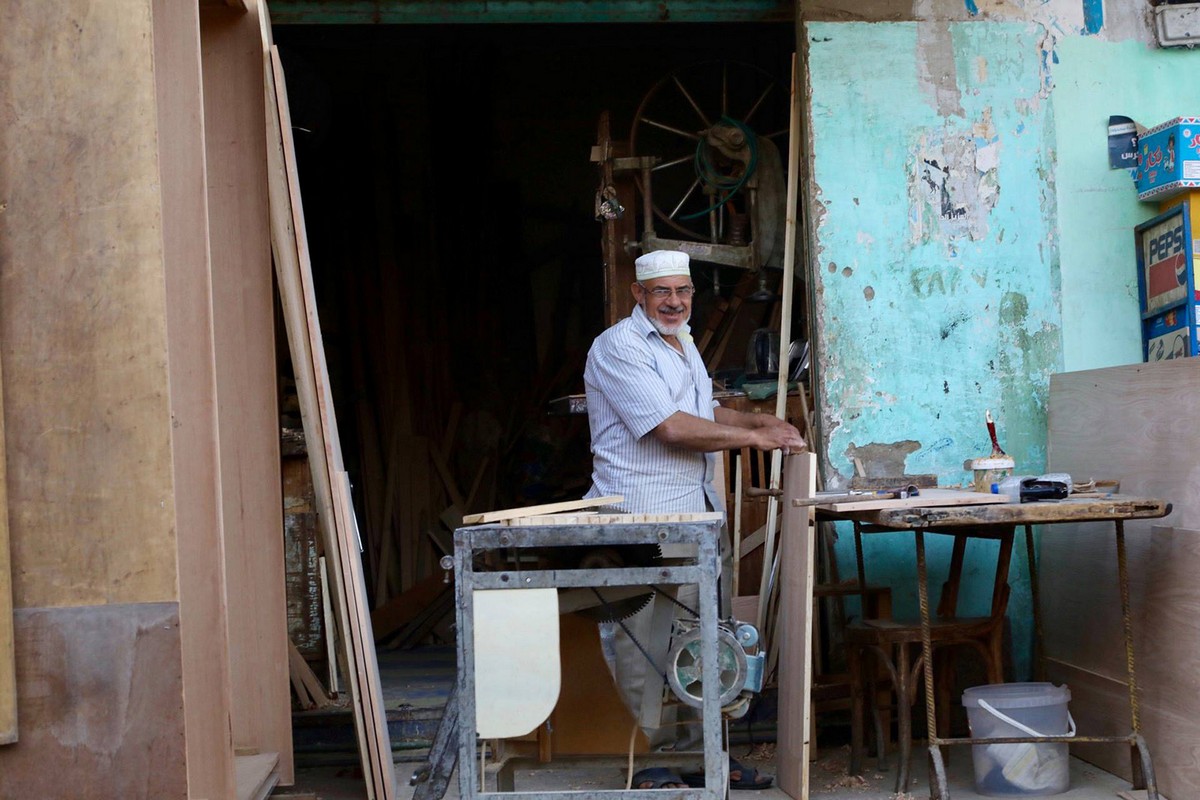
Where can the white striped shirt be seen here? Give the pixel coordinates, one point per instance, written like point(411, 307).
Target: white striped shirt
point(635, 380)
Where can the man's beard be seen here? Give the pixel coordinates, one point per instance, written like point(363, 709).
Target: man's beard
point(666, 330)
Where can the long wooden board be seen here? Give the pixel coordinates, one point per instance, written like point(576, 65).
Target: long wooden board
point(244, 338)
point(614, 519)
point(8, 675)
point(335, 512)
point(796, 570)
point(928, 498)
point(533, 511)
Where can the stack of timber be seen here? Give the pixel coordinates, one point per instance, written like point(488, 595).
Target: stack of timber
point(331, 484)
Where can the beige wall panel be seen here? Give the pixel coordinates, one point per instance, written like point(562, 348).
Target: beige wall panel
point(243, 312)
point(101, 705)
point(1135, 423)
point(81, 306)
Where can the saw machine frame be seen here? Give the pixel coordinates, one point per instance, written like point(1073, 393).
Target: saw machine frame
point(702, 570)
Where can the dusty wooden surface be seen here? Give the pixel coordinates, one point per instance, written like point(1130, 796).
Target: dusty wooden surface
point(1135, 424)
point(1090, 509)
point(244, 340)
point(82, 317)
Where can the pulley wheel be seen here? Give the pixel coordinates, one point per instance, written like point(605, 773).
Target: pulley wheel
point(685, 668)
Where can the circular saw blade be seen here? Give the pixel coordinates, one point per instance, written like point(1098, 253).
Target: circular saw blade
point(609, 608)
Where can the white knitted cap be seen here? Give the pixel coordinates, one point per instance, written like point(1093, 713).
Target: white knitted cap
point(661, 263)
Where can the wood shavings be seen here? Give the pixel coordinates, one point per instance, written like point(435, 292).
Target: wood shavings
point(848, 782)
point(762, 751)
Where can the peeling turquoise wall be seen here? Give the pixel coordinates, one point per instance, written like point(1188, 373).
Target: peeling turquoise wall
point(937, 293)
point(1098, 207)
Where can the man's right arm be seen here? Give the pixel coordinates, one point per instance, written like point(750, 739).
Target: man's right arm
point(693, 433)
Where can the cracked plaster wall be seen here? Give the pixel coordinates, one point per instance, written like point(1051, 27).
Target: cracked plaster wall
point(969, 237)
point(937, 293)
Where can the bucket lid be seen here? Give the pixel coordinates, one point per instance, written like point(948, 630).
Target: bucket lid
point(1017, 695)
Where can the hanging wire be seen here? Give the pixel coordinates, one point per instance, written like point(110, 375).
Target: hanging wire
point(708, 174)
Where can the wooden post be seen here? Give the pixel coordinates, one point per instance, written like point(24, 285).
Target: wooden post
point(798, 563)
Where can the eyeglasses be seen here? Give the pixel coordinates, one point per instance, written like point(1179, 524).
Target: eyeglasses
point(663, 292)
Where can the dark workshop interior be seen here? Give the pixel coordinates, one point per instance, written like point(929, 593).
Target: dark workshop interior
point(449, 201)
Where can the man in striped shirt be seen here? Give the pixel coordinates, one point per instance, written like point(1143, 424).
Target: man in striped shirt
point(655, 434)
point(655, 427)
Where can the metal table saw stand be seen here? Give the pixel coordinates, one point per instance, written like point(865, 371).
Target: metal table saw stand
point(703, 571)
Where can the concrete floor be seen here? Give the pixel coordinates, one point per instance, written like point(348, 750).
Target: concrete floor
point(829, 780)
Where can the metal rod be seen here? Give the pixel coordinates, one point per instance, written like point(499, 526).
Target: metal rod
point(699, 113)
point(757, 103)
point(647, 204)
point(673, 162)
point(695, 183)
point(926, 641)
point(693, 136)
point(1127, 623)
point(1039, 639)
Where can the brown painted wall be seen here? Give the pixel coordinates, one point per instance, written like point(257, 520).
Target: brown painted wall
point(101, 711)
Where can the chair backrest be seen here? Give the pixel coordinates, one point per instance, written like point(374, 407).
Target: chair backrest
point(948, 601)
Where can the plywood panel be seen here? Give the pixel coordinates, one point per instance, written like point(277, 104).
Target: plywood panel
point(244, 342)
point(203, 618)
point(82, 320)
point(102, 705)
point(1134, 423)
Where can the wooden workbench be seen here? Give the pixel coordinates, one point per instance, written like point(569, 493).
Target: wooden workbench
point(988, 521)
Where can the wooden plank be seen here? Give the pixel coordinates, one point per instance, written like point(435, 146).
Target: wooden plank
point(8, 675)
point(363, 644)
point(290, 246)
point(928, 498)
point(532, 511)
point(244, 338)
point(614, 519)
point(1133, 423)
point(796, 571)
point(256, 775)
point(204, 621)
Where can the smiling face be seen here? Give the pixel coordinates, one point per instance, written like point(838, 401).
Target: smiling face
point(668, 314)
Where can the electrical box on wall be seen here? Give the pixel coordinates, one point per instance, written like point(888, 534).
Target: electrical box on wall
point(1178, 25)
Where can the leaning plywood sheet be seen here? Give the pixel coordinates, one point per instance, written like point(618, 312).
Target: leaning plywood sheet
point(1134, 423)
point(532, 511)
point(8, 679)
point(290, 246)
point(928, 498)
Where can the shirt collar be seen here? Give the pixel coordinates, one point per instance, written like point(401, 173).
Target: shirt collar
point(646, 327)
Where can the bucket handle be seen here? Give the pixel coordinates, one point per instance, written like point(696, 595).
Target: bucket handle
point(984, 704)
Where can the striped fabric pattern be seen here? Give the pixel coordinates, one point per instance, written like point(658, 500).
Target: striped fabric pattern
point(634, 381)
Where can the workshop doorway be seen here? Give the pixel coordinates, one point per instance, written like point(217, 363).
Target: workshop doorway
point(450, 208)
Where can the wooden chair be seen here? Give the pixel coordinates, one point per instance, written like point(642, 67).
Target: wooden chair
point(897, 645)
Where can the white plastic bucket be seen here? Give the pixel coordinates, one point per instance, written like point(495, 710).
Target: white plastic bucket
point(1006, 710)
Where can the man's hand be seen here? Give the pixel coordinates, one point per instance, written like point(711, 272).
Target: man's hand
point(778, 435)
